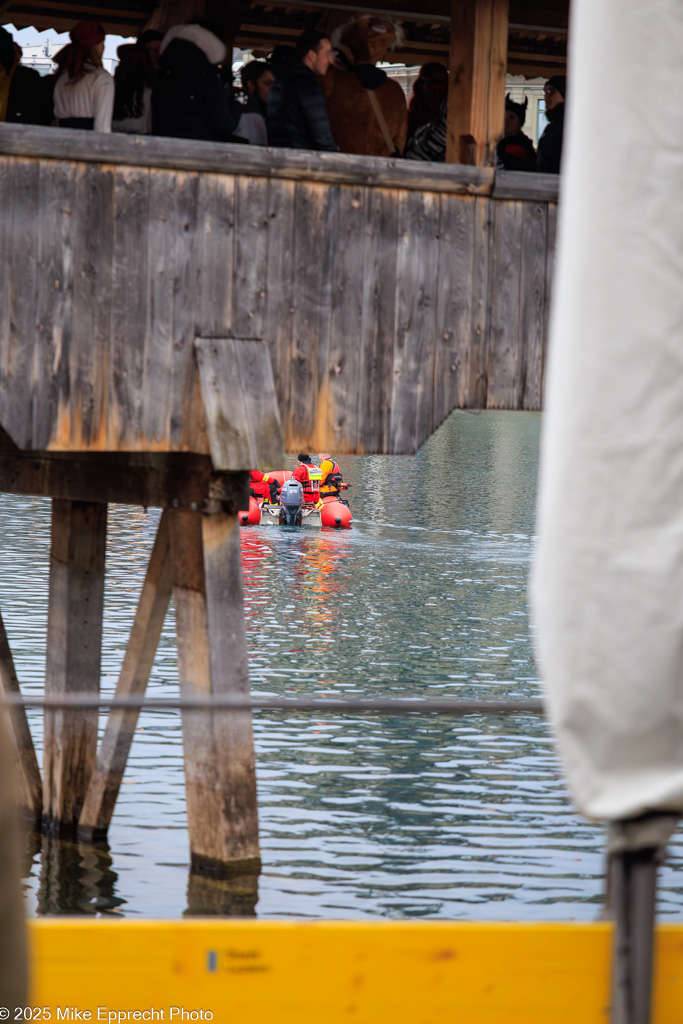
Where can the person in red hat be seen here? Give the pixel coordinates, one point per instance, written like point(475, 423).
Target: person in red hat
point(84, 91)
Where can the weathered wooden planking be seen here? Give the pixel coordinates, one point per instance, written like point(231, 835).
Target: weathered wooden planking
point(216, 215)
point(159, 351)
point(238, 392)
point(503, 329)
point(343, 358)
point(105, 782)
point(453, 306)
point(549, 279)
point(481, 275)
point(258, 161)
point(312, 225)
point(7, 208)
point(147, 275)
point(74, 641)
point(124, 422)
point(82, 420)
point(251, 247)
point(27, 781)
point(15, 399)
point(522, 185)
point(376, 340)
point(413, 370)
point(187, 428)
point(54, 295)
point(531, 342)
point(280, 293)
point(219, 758)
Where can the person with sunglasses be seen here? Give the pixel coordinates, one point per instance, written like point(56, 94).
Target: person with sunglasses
point(550, 143)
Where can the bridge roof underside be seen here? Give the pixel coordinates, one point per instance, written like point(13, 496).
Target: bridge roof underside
point(537, 39)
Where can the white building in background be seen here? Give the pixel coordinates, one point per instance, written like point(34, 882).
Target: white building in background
point(40, 58)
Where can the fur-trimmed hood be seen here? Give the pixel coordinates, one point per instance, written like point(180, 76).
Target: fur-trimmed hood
point(366, 37)
point(211, 46)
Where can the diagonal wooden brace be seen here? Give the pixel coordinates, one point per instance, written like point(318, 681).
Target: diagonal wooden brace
point(29, 787)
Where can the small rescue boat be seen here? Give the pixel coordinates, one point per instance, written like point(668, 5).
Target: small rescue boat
point(293, 511)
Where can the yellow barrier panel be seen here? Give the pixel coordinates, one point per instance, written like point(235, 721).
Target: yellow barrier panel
point(329, 972)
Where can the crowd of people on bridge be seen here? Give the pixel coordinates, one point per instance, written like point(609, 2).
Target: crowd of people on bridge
point(314, 95)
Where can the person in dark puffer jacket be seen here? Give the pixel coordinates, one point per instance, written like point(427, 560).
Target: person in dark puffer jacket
point(24, 96)
point(550, 143)
point(190, 99)
point(297, 114)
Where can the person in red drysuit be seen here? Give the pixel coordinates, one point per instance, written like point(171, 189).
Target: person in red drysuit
point(309, 476)
point(263, 486)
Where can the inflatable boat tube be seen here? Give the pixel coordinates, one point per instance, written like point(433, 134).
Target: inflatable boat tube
point(335, 514)
point(252, 515)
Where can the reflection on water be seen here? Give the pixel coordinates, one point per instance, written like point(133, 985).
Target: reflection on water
point(73, 878)
point(361, 816)
point(224, 897)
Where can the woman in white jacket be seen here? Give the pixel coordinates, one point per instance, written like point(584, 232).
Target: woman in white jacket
point(84, 91)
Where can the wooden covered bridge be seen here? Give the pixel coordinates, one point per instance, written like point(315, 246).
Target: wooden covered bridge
point(173, 313)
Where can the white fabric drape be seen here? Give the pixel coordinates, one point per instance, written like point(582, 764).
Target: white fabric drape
point(607, 592)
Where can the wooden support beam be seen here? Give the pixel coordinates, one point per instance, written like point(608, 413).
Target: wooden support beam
point(212, 656)
point(74, 642)
point(476, 89)
point(181, 480)
point(105, 783)
point(28, 784)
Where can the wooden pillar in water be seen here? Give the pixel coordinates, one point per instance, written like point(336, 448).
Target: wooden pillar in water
point(74, 643)
point(476, 88)
point(220, 778)
point(100, 799)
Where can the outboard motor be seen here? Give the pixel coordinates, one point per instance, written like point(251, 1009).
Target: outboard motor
point(291, 503)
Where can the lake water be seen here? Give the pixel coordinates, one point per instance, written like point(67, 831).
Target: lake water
point(362, 816)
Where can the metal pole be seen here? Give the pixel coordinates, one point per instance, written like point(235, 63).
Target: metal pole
point(635, 848)
point(633, 894)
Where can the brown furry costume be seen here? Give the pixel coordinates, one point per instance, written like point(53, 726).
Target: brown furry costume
point(364, 41)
